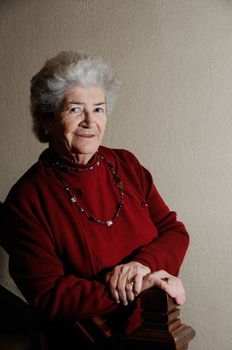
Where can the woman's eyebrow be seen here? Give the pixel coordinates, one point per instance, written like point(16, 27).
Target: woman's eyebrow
point(82, 103)
point(75, 103)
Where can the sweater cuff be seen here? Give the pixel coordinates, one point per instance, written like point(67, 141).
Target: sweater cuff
point(147, 261)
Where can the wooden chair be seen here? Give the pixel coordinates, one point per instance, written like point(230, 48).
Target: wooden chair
point(19, 328)
point(161, 328)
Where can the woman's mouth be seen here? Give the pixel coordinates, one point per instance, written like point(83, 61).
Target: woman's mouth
point(86, 136)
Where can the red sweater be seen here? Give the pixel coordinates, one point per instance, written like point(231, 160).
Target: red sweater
point(57, 255)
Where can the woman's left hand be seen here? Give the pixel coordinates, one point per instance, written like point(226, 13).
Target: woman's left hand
point(125, 281)
point(170, 284)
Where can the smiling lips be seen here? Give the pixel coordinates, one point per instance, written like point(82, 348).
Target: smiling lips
point(87, 136)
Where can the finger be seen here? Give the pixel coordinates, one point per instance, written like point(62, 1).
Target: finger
point(129, 291)
point(112, 280)
point(175, 289)
point(125, 285)
point(138, 280)
point(107, 277)
point(162, 284)
point(180, 300)
point(178, 287)
point(180, 292)
point(121, 288)
point(114, 293)
point(117, 283)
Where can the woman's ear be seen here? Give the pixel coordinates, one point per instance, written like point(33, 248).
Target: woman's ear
point(46, 125)
point(46, 132)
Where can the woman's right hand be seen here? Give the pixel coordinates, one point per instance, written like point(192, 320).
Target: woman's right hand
point(125, 281)
point(170, 284)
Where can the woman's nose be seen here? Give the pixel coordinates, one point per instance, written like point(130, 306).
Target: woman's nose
point(88, 119)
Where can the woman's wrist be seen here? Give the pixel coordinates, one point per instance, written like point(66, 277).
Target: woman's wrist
point(145, 267)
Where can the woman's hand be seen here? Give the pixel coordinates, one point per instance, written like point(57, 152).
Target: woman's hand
point(170, 284)
point(125, 281)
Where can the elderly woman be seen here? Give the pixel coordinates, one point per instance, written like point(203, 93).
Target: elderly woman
point(86, 228)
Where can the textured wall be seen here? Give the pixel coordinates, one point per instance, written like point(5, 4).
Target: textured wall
point(175, 60)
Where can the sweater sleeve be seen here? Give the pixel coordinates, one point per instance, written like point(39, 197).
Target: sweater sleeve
point(167, 251)
point(39, 273)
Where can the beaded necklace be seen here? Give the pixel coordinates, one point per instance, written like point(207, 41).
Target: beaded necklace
point(61, 166)
point(74, 198)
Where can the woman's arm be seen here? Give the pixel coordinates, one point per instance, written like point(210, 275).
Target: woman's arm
point(167, 250)
point(39, 273)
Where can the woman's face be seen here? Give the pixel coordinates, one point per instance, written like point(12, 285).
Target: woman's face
point(78, 128)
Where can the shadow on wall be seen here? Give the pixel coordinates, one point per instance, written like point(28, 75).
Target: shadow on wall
point(5, 279)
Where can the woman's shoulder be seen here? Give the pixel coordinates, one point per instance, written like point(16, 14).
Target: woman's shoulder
point(119, 154)
point(28, 183)
point(129, 167)
point(126, 164)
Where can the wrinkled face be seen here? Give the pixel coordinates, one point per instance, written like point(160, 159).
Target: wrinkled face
point(78, 128)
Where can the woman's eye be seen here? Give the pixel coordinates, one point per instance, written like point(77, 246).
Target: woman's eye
point(99, 110)
point(75, 110)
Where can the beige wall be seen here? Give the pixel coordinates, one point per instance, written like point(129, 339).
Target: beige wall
point(175, 60)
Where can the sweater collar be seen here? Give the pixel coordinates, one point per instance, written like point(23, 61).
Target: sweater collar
point(52, 158)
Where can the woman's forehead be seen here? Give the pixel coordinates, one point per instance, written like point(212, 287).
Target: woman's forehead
point(80, 94)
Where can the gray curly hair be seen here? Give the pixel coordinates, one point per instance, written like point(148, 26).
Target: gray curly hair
point(60, 73)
